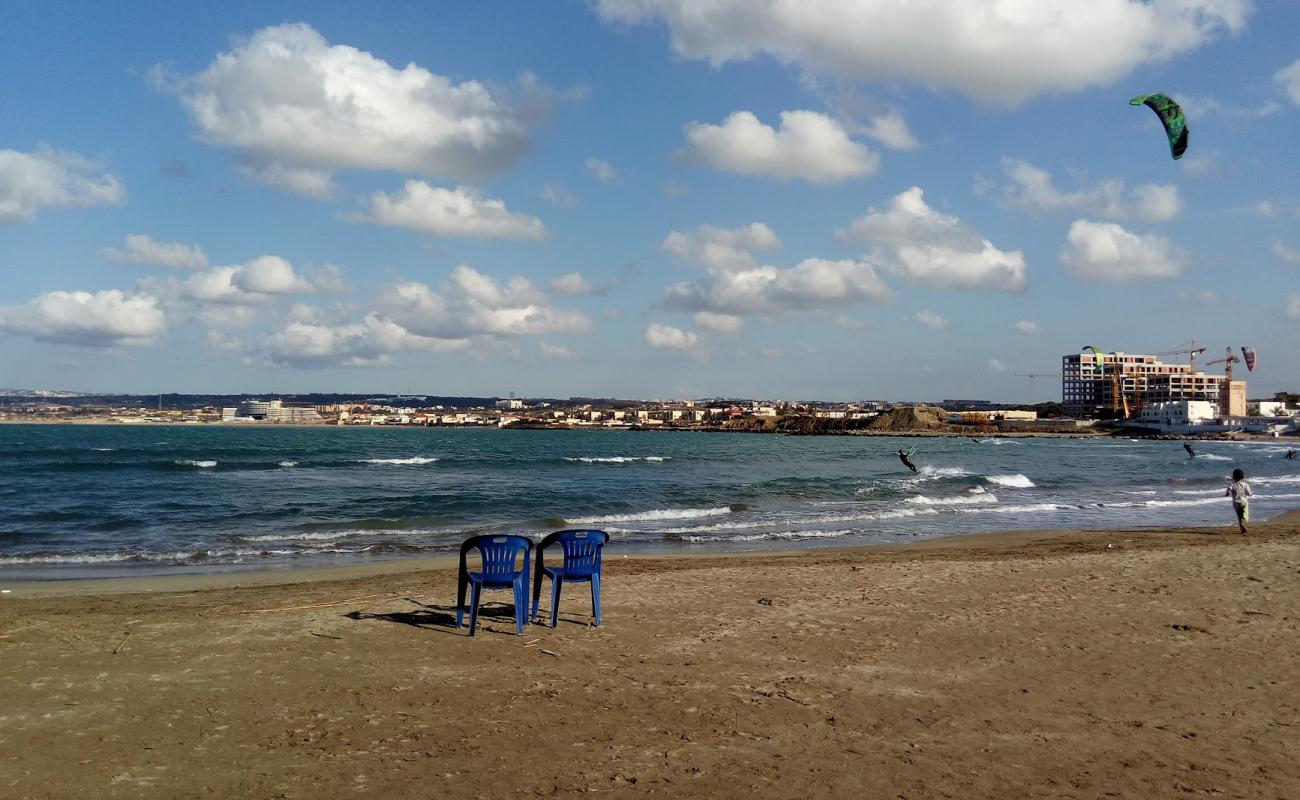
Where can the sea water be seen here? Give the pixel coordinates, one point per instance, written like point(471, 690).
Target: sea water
point(82, 501)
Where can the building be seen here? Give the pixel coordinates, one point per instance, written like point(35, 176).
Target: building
point(510, 403)
point(273, 411)
point(1124, 384)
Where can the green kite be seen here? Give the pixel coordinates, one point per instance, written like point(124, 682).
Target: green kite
point(1171, 116)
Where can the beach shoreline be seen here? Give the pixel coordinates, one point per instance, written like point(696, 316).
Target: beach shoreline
point(1032, 664)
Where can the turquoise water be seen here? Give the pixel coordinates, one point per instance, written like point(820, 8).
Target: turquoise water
point(79, 501)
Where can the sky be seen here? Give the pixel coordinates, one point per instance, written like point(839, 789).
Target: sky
point(832, 200)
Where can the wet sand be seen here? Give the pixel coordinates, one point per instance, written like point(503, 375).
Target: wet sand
point(1037, 664)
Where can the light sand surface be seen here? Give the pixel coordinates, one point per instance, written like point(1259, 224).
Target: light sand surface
point(993, 666)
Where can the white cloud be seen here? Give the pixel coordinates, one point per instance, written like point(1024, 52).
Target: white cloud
point(287, 99)
point(808, 145)
point(722, 323)
point(555, 352)
point(849, 324)
point(812, 285)
point(668, 337)
point(994, 364)
point(308, 182)
point(674, 189)
point(570, 283)
point(890, 129)
point(557, 195)
point(1287, 254)
point(1027, 327)
point(1196, 107)
point(722, 248)
point(473, 304)
point(229, 295)
point(601, 169)
point(929, 319)
point(1289, 79)
point(933, 249)
point(993, 51)
point(448, 212)
point(51, 179)
point(1105, 251)
point(371, 341)
point(101, 319)
point(143, 249)
point(1032, 189)
point(1293, 306)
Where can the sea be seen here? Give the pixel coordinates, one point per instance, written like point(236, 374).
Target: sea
point(80, 501)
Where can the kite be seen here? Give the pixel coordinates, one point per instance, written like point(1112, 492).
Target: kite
point(1171, 116)
point(1248, 353)
point(1097, 355)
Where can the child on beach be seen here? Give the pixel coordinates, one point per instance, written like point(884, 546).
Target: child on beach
point(1240, 493)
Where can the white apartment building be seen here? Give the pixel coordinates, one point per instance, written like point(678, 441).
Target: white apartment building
point(1114, 380)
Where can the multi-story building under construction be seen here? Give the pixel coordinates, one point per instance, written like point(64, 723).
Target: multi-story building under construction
point(1123, 384)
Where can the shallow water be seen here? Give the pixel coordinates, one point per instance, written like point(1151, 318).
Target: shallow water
point(79, 501)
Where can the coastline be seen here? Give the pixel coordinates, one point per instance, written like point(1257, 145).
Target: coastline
point(1039, 663)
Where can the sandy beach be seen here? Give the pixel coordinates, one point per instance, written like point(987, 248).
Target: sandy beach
point(1035, 664)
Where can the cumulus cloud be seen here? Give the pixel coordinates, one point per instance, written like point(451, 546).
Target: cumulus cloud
point(929, 248)
point(371, 341)
point(470, 303)
point(722, 323)
point(1197, 107)
point(143, 249)
point(449, 212)
point(722, 248)
point(52, 179)
point(1287, 254)
point(1293, 306)
point(1026, 326)
point(1289, 79)
point(813, 284)
point(308, 182)
point(601, 169)
point(668, 337)
point(287, 99)
point(102, 319)
point(1105, 251)
point(929, 319)
point(1031, 188)
point(808, 145)
point(890, 129)
point(995, 52)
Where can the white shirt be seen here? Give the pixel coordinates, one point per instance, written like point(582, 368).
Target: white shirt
point(1239, 490)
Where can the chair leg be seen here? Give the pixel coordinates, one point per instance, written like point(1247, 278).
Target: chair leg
point(595, 598)
point(556, 583)
point(521, 608)
point(473, 608)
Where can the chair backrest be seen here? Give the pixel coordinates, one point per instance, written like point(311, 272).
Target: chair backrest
point(582, 550)
point(498, 554)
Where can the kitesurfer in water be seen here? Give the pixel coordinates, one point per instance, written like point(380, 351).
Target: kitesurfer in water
point(1189, 450)
point(903, 456)
point(1290, 453)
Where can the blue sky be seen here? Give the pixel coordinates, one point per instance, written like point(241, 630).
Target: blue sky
point(641, 198)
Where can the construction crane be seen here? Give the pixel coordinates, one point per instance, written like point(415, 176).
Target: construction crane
point(1190, 349)
point(1227, 361)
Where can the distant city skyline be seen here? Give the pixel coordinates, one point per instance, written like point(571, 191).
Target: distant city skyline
point(641, 199)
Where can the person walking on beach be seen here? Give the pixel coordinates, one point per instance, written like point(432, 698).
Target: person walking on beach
point(1188, 448)
point(903, 456)
point(1240, 493)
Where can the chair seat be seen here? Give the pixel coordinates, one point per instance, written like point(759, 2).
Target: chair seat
point(495, 582)
point(571, 575)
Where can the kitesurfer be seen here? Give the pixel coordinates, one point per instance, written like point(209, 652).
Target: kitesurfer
point(1290, 453)
point(1189, 450)
point(903, 456)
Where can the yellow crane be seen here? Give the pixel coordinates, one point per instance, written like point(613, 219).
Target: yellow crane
point(1227, 361)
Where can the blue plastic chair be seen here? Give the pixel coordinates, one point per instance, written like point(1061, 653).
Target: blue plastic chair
point(498, 554)
point(582, 550)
